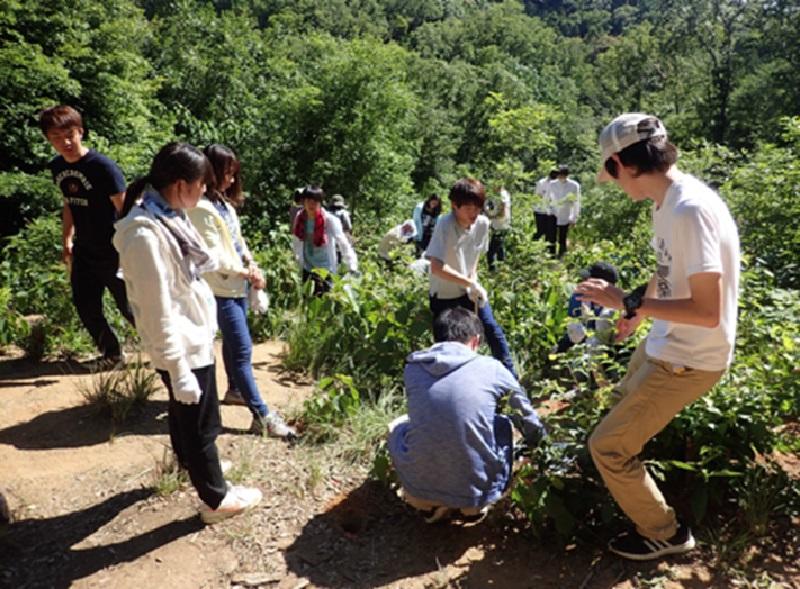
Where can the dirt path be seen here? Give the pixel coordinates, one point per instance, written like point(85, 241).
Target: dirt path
point(86, 516)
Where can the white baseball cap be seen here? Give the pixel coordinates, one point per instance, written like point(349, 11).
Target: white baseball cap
point(624, 131)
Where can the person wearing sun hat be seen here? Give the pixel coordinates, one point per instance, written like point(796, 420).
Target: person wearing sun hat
point(692, 300)
point(339, 210)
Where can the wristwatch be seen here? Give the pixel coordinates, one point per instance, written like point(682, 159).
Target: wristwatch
point(633, 301)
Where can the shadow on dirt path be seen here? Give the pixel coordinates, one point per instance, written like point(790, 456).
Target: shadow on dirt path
point(77, 426)
point(42, 552)
point(369, 538)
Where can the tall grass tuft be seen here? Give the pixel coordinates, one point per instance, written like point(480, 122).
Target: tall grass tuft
point(117, 392)
point(168, 477)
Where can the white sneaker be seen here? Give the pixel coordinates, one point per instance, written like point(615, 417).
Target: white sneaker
point(237, 500)
point(274, 426)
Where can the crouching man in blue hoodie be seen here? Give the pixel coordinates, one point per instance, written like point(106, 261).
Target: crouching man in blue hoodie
point(453, 451)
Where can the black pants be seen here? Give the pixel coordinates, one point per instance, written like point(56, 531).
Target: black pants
point(562, 231)
point(543, 223)
point(193, 430)
point(89, 278)
point(497, 250)
point(492, 331)
point(559, 233)
point(421, 245)
point(321, 285)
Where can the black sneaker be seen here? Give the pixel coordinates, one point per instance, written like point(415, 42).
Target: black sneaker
point(634, 546)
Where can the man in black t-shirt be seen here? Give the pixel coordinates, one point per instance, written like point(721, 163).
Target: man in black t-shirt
point(93, 189)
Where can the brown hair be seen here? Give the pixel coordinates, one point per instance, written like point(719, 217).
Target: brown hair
point(223, 159)
point(59, 117)
point(468, 191)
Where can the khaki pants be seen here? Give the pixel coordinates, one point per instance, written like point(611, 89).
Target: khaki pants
point(652, 393)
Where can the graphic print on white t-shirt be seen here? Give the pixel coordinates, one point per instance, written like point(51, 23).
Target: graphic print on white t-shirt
point(664, 264)
point(694, 233)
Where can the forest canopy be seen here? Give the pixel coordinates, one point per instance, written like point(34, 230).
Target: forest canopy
point(380, 99)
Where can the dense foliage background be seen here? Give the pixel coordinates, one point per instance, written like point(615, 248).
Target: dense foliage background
point(385, 101)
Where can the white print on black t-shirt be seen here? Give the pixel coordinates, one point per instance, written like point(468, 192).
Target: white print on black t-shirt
point(78, 202)
point(71, 181)
point(664, 262)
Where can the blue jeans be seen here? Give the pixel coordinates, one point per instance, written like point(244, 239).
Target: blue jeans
point(237, 352)
point(491, 330)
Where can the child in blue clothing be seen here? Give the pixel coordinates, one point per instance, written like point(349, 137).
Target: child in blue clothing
point(595, 317)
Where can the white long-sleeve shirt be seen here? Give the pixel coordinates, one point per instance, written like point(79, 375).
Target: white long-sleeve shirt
point(565, 200)
point(176, 315)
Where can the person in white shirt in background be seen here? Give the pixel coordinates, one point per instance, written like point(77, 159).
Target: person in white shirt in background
point(692, 298)
point(565, 202)
point(397, 236)
point(499, 212)
point(545, 219)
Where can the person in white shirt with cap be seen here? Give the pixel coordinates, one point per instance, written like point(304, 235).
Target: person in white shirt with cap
point(692, 299)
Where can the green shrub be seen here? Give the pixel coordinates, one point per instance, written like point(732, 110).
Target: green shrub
point(38, 284)
point(13, 327)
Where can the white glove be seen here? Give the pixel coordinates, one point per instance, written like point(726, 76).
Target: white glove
point(477, 294)
point(186, 389)
point(576, 333)
point(258, 301)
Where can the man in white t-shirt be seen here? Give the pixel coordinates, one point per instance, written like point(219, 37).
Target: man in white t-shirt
point(692, 298)
point(545, 219)
point(458, 240)
point(565, 206)
point(499, 212)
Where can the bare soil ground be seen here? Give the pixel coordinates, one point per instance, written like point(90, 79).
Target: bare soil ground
point(86, 515)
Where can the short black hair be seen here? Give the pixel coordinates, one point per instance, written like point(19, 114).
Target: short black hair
point(456, 325)
point(602, 270)
point(314, 192)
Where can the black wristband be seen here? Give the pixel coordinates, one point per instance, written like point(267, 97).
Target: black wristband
point(633, 301)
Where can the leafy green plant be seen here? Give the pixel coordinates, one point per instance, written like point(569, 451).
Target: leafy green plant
point(13, 327)
point(335, 399)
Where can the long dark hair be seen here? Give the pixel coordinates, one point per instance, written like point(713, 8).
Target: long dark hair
point(433, 211)
point(175, 161)
point(223, 159)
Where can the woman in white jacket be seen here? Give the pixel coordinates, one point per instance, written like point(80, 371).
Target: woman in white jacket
point(162, 257)
point(215, 219)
